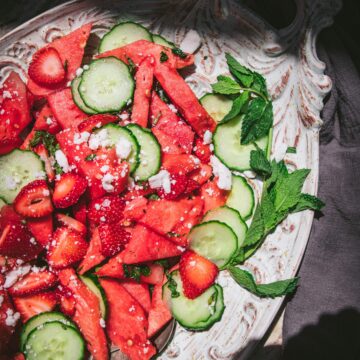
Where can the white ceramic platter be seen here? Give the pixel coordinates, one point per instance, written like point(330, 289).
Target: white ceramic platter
point(297, 84)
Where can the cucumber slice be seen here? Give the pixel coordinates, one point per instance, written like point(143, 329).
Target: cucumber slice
point(118, 133)
point(77, 98)
point(227, 146)
point(107, 85)
point(241, 197)
point(123, 34)
point(215, 241)
point(150, 153)
point(158, 39)
point(216, 105)
point(18, 168)
point(195, 314)
point(2, 202)
point(54, 340)
point(40, 319)
point(94, 286)
point(230, 217)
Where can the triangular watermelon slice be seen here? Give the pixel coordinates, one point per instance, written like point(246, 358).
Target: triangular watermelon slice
point(113, 268)
point(46, 121)
point(140, 292)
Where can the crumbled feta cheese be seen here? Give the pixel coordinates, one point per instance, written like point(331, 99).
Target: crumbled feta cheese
point(106, 203)
point(123, 148)
point(13, 275)
point(11, 317)
point(106, 182)
point(62, 160)
point(173, 108)
point(81, 138)
point(104, 169)
point(211, 147)
point(132, 308)
point(102, 323)
point(191, 42)
point(222, 172)
point(210, 191)
point(86, 67)
point(79, 71)
point(161, 180)
point(207, 137)
point(49, 120)
point(124, 116)
point(99, 139)
point(97, 206)
point(7, 95)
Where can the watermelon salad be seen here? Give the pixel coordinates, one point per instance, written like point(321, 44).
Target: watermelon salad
point(122, 195)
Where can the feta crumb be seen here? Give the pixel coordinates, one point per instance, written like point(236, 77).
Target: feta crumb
point(161, 180)
point(81, 138)
point(104, 169)
point(123, 148)
point(207, 137)
point(49, 120)
point(211, 147)
point(79, 71)
point(106, 203)
point(102, 323)
point(191, 42)
point(222, 172)
point(106, 182)
point(97, 206)
point(173, 108)
point(99, 139)
point(124, 116)
point(13, 275)
point(11, 317)
point(7, 95)
point(62, 160)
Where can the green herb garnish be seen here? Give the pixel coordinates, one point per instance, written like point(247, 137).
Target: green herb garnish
point(163, 57)
point(178, 52)
point(172, 285)
point(136, 271)
point(90, 157)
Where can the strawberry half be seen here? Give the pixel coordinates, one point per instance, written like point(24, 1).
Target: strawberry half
point(41, 229)
point(33, 283)
point(80, 211)
point(67, 248)
point(179, 184)
point(34, 200)
point(68, 190)
point(96, 121)
point(66, 300)
point(197, 274)
point(71, 223)
point(106, 210)
point(32, 305)
point(113, 239)
point(46, 67)
point(44, 156)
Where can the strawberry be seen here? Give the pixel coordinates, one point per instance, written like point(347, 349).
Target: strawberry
point(34, 200)
point(29, 306)
point(80, 211)
point(46, 67)
point(66, 300)
point(33, 283)
point(7, 145)
point(106, 210)
point(191, 186)
point(7, 329)
point(201, 175)
point(46, 121)
point(96, 121)
point(179, 184)
point(44, 156)
point(68, 190)
point(197, 273)
point(72, 224)
point(113, 239)
point(202, 151)
point(41, 228)
point(67, 248)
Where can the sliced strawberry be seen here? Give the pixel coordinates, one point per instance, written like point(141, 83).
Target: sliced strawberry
point(7, 328)
point(126, 323)
point(8, 215)
point(46, 68)
point(140, 292)
point(202, 151)
point(197, 274)
point(33, 283)
point(87, 314)
point(113, 268)
point(7, 145)
point(71, 224)
point(34, 200)
point(135, 209)
point(106, 210)
point(93, 255)
point(179, 184)
point(29, 306)
point(96, 121)
point(19, 356)
point(67, 248)
point(201, 175)
point(41, 228)
point(80, 211)
point(156, 274)
point(68, 190)
point(146, 245)
point(213, 196)
point(46, 121)
point(113, 239)
point(66, 300)
point(44, 156)
point(180, 164)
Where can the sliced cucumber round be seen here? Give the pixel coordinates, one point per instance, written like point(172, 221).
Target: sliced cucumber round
point(77, 98)
point(18, 168)
point(94, 286)
point(54, 340)
point(158, 39)
point(118, 133)
point(241, 197)
point(216, 105)
point(230, 217)
point(2, 202)
point(123, 34)
point(228, 148)
point(107, 85)
point(150, 153)
point(215, 241)
point(195, 314)
point(40, 319)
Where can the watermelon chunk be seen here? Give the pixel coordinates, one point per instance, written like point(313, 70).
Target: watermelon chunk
point(135, 209)
point(180, 164)
point(201, 175)
point(66, 112)
point(146, 245)
point(213, 196)
point(156, 274)
point(46, 121)
point(126, 323)
point(144, 80)
point(140, 292)
point(184, 99)
point(113, 268)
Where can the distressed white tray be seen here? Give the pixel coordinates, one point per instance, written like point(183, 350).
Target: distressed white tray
point(297, 84)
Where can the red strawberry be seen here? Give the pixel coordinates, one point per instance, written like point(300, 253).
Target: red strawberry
point(46, 67)
point(46, 121)
point(113, 239)
point(179, 185)
point(106, 210)
point(191, 186)
point(202, 151)
point(32, 305)
point(44, 156)
point(66, 300)
point(34, 200)
point(96, 121)
point(7, 145)
point(33, 283)
point(41, 229)
point(201, 175)
point(67, 248)
point(68, 190)
point(7, 329)
point(197, 274)
point(71, 224)
point(80, 211)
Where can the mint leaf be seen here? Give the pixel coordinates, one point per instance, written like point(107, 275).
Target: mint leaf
point(259, 162)
point(291, 150)
point(163, 57)
point(237, 106)
point(259, 85)
point(90, 157)
point(308, 202)
point(178, 52)
point(278, 288)
point(226, 86)
point(172, 285)
point(240, 72)
point(135, 271)
point(257, 122)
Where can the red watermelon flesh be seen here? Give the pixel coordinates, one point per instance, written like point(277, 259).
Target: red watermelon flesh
point(213, 196)
point(46, 121)
point(140, 292)
point(113, 268)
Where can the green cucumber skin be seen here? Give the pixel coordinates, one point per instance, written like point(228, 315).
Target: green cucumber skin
point(82, 105)
point(158, 39)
